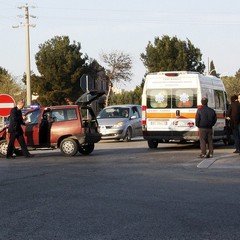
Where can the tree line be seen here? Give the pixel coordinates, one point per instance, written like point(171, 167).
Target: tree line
point(60, 65)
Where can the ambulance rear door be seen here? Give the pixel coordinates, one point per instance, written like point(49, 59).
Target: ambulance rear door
point(171, 105)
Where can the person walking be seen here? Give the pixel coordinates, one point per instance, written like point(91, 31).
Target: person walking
point(205, 119)
point(233, 114)
point(16, 132)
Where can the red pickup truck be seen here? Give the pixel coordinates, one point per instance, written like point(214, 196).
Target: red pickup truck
point(72, 128)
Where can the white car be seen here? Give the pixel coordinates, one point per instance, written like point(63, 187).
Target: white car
point(120, 122)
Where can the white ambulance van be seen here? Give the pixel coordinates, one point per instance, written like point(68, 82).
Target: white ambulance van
point(169, 104)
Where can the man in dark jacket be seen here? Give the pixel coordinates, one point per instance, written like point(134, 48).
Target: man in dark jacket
point(15, 130)
point(205, 119)
point(233, 114)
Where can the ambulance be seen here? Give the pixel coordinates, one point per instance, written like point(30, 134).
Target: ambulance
point(169, 104)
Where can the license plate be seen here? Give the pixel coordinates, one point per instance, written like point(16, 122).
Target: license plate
point(158, 123)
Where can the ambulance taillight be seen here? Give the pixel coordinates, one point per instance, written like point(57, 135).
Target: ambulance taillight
point(144, 117)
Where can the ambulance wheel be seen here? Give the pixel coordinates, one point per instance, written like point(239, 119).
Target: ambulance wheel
point(3, 148)
point(228, 141)
point(69, 146)
point(86, 149)
point(152, 143)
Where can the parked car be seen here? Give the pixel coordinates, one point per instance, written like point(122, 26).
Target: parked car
point(120, 122)
point(72, 128)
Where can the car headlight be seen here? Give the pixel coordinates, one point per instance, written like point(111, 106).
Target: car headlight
point(118, 124)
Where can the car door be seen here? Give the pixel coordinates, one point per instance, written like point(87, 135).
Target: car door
point(136, 121)
point(31, 127)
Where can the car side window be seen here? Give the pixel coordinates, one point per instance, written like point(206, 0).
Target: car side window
point(140, 110)
point(59, 115)
point(135, 112)
point(71, 114)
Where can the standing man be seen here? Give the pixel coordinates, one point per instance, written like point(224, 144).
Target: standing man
point(16, 132)
point(205, 119)
point(233, 114)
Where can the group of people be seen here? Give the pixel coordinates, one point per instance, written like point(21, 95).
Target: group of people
point(206, 118)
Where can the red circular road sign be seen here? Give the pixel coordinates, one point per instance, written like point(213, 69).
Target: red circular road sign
point(6, 104)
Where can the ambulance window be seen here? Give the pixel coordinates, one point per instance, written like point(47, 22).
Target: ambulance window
point(185, 98)
point(208, 93)
point(219, 99)
point(158, 98)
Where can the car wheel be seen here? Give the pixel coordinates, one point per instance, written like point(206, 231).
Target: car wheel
point(152, 144)
point(69, 146)
point(3, 148)
point(86, 149)
point(128, 135)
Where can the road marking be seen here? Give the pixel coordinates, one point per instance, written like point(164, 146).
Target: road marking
point(206, 163)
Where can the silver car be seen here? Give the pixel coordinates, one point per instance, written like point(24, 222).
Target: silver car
point(120, 122)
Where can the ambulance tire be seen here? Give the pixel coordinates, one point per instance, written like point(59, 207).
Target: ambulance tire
point(152, 143)
point(228, 141)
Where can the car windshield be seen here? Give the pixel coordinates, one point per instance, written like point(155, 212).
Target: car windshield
point(114, 112)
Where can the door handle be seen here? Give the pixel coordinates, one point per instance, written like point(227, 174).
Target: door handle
point(178, 113)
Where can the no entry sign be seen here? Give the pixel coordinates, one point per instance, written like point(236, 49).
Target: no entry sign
point(6, 104)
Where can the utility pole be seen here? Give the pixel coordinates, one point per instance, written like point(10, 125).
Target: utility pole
point(28, 65)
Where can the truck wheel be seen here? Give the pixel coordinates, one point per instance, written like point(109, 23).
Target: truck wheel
point(3, 148)
point(152, 144)
point(128, 135)
point(69, 147)
point(86, 149)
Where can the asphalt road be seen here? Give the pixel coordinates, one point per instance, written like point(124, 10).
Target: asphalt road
point(121, 191)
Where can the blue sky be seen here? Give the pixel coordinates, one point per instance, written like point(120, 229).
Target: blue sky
point(123, 25)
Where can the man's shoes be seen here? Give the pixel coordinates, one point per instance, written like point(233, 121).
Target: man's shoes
point(29, 156)
point(236, 151)
point(210, 156)
point(10, 157)
point(202, 156)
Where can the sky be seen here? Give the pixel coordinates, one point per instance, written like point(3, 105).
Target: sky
point(213, 26)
